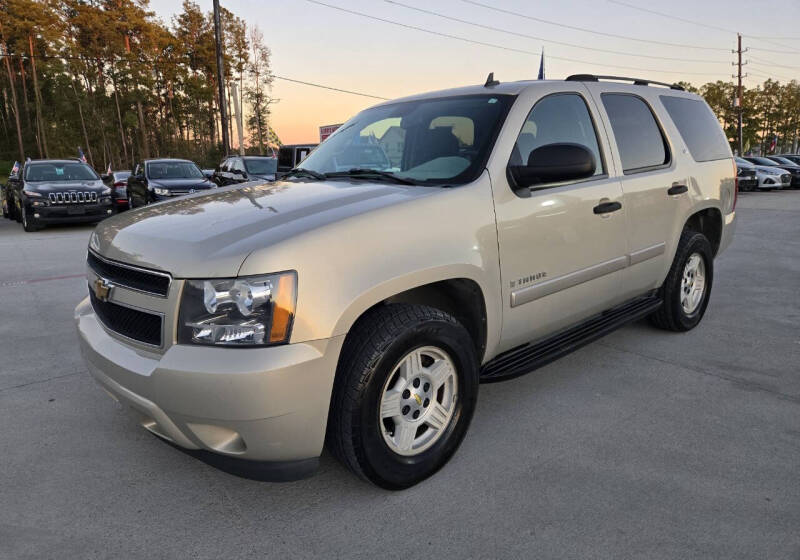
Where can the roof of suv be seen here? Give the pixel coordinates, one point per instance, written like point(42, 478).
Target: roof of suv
point(515, 88)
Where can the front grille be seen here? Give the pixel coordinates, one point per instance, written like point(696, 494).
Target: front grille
point(73, 197)
point(130, 323)
point(131, 277)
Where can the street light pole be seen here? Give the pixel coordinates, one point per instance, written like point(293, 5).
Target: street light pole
point(223, 113)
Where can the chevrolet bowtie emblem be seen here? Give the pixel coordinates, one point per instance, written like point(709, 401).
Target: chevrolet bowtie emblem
point(102, 289)
point(418, 399)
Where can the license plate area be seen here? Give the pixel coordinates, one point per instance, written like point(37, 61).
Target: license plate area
point(76, 210)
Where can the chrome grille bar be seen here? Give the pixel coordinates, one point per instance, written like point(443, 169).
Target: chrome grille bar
point(72, 197)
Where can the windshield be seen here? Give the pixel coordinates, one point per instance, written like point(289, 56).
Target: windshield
point(173, 170)
point(783, 160)
point(764, 161)
point(743, 162)
point(436, 141)
point(60, 172)
point(261, 166)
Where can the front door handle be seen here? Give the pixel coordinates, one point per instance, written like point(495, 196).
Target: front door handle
point(606, 207)
point(677, 189)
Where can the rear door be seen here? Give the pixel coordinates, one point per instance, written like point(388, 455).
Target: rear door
point(561, 258)
point(655, 187)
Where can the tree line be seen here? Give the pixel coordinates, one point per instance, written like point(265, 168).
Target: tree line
point(110, 77)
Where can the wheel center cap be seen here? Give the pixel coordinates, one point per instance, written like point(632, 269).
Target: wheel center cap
point(417, 398)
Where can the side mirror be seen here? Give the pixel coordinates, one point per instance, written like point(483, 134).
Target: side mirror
point(553, 163)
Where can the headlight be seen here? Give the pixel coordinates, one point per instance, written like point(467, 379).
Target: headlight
point(246, 311)
point(160, 191)
point(105, 192)
point(32, 194)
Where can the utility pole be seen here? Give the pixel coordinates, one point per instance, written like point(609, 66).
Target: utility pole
point(223, 112)
point(738, 101)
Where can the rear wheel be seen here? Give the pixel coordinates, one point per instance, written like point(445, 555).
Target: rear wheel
point(404, 394)
point(687, 288)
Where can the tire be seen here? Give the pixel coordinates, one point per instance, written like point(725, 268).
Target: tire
point(130, 202)
point(376, 361)
point(681, 311)
point(28, 222)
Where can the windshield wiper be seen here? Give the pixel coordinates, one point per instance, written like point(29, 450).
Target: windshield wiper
point(374, 173)
point(300, 172)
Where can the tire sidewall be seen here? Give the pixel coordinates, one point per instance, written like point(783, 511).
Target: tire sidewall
point(697, 244)
point(382, 465)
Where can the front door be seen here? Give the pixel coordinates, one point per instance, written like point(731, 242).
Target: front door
point(562, 246)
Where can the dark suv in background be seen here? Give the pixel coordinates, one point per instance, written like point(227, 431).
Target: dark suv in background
point(55, 191)
point(239, 169)
point(162, 179)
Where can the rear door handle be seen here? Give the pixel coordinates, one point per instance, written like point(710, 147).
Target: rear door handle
point(677, 189)
point(606, 207)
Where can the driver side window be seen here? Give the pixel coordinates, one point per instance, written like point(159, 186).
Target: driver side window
point(555, 119)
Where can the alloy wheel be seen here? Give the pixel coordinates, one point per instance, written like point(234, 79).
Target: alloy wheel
point(418, 401)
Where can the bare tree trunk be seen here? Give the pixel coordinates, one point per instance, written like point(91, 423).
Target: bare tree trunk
point(119, 119)
point(145, 141)
point(83, 123)
point(14, 101)
point(37, 97)
point(27, 108)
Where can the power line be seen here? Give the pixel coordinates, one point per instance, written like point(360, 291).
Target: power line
point(592, 31)
point(285, 79)
point(496, 46)
point(770, 74)
point(768, 63)
point(706, 25)
point(555, 42)
point(113, 60)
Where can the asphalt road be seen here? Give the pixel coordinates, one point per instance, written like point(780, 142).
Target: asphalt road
point(642, 445)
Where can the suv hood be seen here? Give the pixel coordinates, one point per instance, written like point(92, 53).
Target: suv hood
point(210, 234)
point(64, 186)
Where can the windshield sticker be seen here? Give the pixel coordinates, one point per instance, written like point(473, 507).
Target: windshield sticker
point(59, 170)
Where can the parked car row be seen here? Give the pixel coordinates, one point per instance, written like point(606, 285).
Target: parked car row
point(768, 173)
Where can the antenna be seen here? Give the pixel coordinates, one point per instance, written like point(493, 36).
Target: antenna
point(490, 81)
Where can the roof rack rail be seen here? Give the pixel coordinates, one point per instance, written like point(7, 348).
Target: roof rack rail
point(636, 81)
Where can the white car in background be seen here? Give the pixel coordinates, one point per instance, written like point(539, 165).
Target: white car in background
point(769, 178)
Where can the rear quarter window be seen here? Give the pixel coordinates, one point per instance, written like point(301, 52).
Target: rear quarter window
point(698, 127)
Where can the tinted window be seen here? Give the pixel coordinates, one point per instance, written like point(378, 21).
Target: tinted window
point(261, 166)
point(699, 128)
point(60, 172)
point(555, 119)
point(639, 141)
point(173, 170)
point(763, 161)
point(286, 157)
point(432, 140)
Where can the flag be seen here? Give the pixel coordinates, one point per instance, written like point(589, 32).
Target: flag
point(773, 144)
point(108, 171)
point(541, 67)
point(15, 168)
point(81, 155)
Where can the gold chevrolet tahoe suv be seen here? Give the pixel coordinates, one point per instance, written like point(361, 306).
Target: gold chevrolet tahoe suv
point(432, 243)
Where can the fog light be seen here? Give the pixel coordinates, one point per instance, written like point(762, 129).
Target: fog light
point(36, 215)
point(108, 211)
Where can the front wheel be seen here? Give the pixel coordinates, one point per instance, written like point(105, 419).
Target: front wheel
point(28, 222)
point(687, 288)
point(404, 394)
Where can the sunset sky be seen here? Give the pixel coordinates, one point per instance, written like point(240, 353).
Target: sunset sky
point(315, 43)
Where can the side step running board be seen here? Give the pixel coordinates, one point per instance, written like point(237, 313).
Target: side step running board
point(528, 357)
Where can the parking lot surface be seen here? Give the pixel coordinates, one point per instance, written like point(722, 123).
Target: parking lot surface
point(645, 444)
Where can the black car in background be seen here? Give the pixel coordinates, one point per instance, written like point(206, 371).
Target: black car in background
point(240, 169)
point(794, 158)
point(155, 180)
point(117, 181)
point(291, 155)
point(55, 191)
point(773, 161)
point(746, 177)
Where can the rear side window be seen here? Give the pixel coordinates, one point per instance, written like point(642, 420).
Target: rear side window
point(698, 126)
point(639, 140)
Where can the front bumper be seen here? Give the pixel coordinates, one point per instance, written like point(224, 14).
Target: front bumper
point(261, 404)
point(69, 213)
